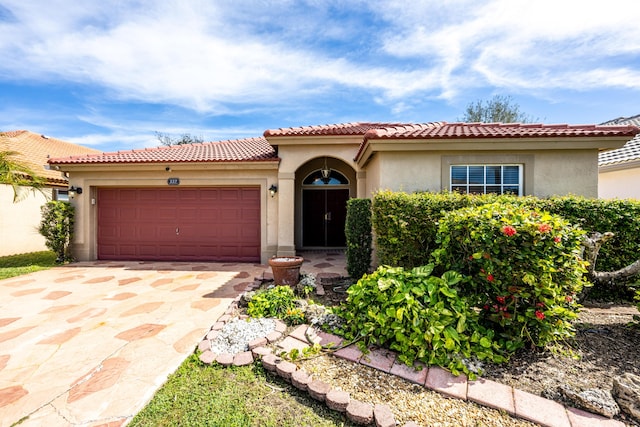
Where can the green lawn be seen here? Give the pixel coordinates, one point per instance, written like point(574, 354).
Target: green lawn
point(16, 265)
point(203, 395)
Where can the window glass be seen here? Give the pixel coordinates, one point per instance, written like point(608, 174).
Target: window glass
point(485, 179)
point(62, 195)
point(335, 178)
point(494, 175)
point(458, 175)
point(476, 175)
point(511, 174)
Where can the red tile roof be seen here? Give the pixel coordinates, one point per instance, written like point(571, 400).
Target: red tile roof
point(238, 150)
point(354, 128)
point(443, 130)
point(34, 150)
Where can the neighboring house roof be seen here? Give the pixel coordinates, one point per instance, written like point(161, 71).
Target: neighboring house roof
point(34, 150)
point(238, 150)
point(631, 150)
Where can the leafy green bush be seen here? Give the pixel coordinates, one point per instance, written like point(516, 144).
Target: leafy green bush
point(358, 234)
point(56, 226)
point(522, 268)
point(405, 225)
point(420, 315)
point(276, 302)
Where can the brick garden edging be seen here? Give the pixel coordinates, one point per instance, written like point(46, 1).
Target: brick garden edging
point(484, 392)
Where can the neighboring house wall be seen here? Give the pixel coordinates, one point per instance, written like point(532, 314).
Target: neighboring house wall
point(620, 183)
point(19, 222)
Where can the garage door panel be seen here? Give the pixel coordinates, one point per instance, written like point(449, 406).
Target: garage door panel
point(214, 224)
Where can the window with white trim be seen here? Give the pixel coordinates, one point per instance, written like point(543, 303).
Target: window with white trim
point(486, 179)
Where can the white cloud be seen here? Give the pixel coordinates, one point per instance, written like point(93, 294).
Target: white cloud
point(215, 56)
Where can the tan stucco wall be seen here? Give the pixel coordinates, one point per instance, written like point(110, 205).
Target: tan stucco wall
point(297, 161)
point(19, 222)
point(620, 184)
point(562, 172)
point(192, 175)
point(553, 172)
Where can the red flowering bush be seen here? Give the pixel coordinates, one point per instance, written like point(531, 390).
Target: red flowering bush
point(522, 270)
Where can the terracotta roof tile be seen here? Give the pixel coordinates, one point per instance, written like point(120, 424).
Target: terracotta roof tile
point(239, 150)
point(443, 130)
point(630, 151)
point(355, 128)
point(34, 150)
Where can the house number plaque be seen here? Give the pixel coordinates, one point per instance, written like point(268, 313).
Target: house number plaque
point(173, 181)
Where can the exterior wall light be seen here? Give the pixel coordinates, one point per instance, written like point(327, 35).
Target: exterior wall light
point(74, 190)
point(273, 190)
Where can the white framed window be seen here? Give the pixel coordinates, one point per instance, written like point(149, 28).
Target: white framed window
point(486, 179)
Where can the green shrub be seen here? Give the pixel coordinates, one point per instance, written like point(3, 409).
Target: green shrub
point(56, 226)
point(419, 315)
point(276, 302)
point(405, 225)
point(522, 268)
point(358, 234)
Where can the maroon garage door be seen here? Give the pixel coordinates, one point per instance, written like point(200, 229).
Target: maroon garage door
point(179, 224)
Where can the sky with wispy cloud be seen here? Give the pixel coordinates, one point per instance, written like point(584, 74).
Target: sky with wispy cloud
point(111, 73)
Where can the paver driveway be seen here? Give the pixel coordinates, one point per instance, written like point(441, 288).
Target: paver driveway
point(89, 343)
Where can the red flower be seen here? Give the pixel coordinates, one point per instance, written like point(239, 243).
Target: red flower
point(557, 239)
point(500, 300)
point(509, 230)
point(539, 314)
point(544, 228)
point(490, 277)
point(568, 298)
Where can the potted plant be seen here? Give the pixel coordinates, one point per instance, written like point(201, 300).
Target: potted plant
point(286, 269)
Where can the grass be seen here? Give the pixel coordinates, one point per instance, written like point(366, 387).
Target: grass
point(202, 395)
point(17, 265)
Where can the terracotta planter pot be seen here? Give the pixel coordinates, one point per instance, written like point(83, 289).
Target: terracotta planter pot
point(286, 270)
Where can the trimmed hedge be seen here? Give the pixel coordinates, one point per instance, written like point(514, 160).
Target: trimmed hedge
point(405, 225)
point(358, 234)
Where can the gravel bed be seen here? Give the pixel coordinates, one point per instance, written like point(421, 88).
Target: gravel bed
point(236, 334)
point(408, 401)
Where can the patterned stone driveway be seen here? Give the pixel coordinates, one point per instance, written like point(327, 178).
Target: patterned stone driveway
point(88, 344)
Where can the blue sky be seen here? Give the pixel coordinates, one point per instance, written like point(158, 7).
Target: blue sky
point(109, 74)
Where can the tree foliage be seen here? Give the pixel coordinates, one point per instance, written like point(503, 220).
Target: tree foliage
point(186, 138)
point(57, 225)
point(19, 176)
point(499, 109)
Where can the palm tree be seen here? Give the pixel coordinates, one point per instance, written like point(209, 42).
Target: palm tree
point(20, 177)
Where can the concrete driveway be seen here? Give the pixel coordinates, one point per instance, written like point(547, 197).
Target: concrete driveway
point(90, 343)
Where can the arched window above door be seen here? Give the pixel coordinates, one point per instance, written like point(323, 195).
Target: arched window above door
point(335, 178)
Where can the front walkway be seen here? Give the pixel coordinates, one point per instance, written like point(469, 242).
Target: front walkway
point(90, 343)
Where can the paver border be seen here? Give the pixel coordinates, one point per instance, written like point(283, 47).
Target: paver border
point(488, 393)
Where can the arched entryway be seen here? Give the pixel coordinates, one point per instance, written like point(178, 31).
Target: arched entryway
point(324, 186)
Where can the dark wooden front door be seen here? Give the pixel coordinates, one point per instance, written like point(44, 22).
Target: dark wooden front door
point(324, 212)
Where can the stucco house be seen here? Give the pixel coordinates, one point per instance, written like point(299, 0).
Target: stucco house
point(250, 199)
point(619, 170)
point(19, 221)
